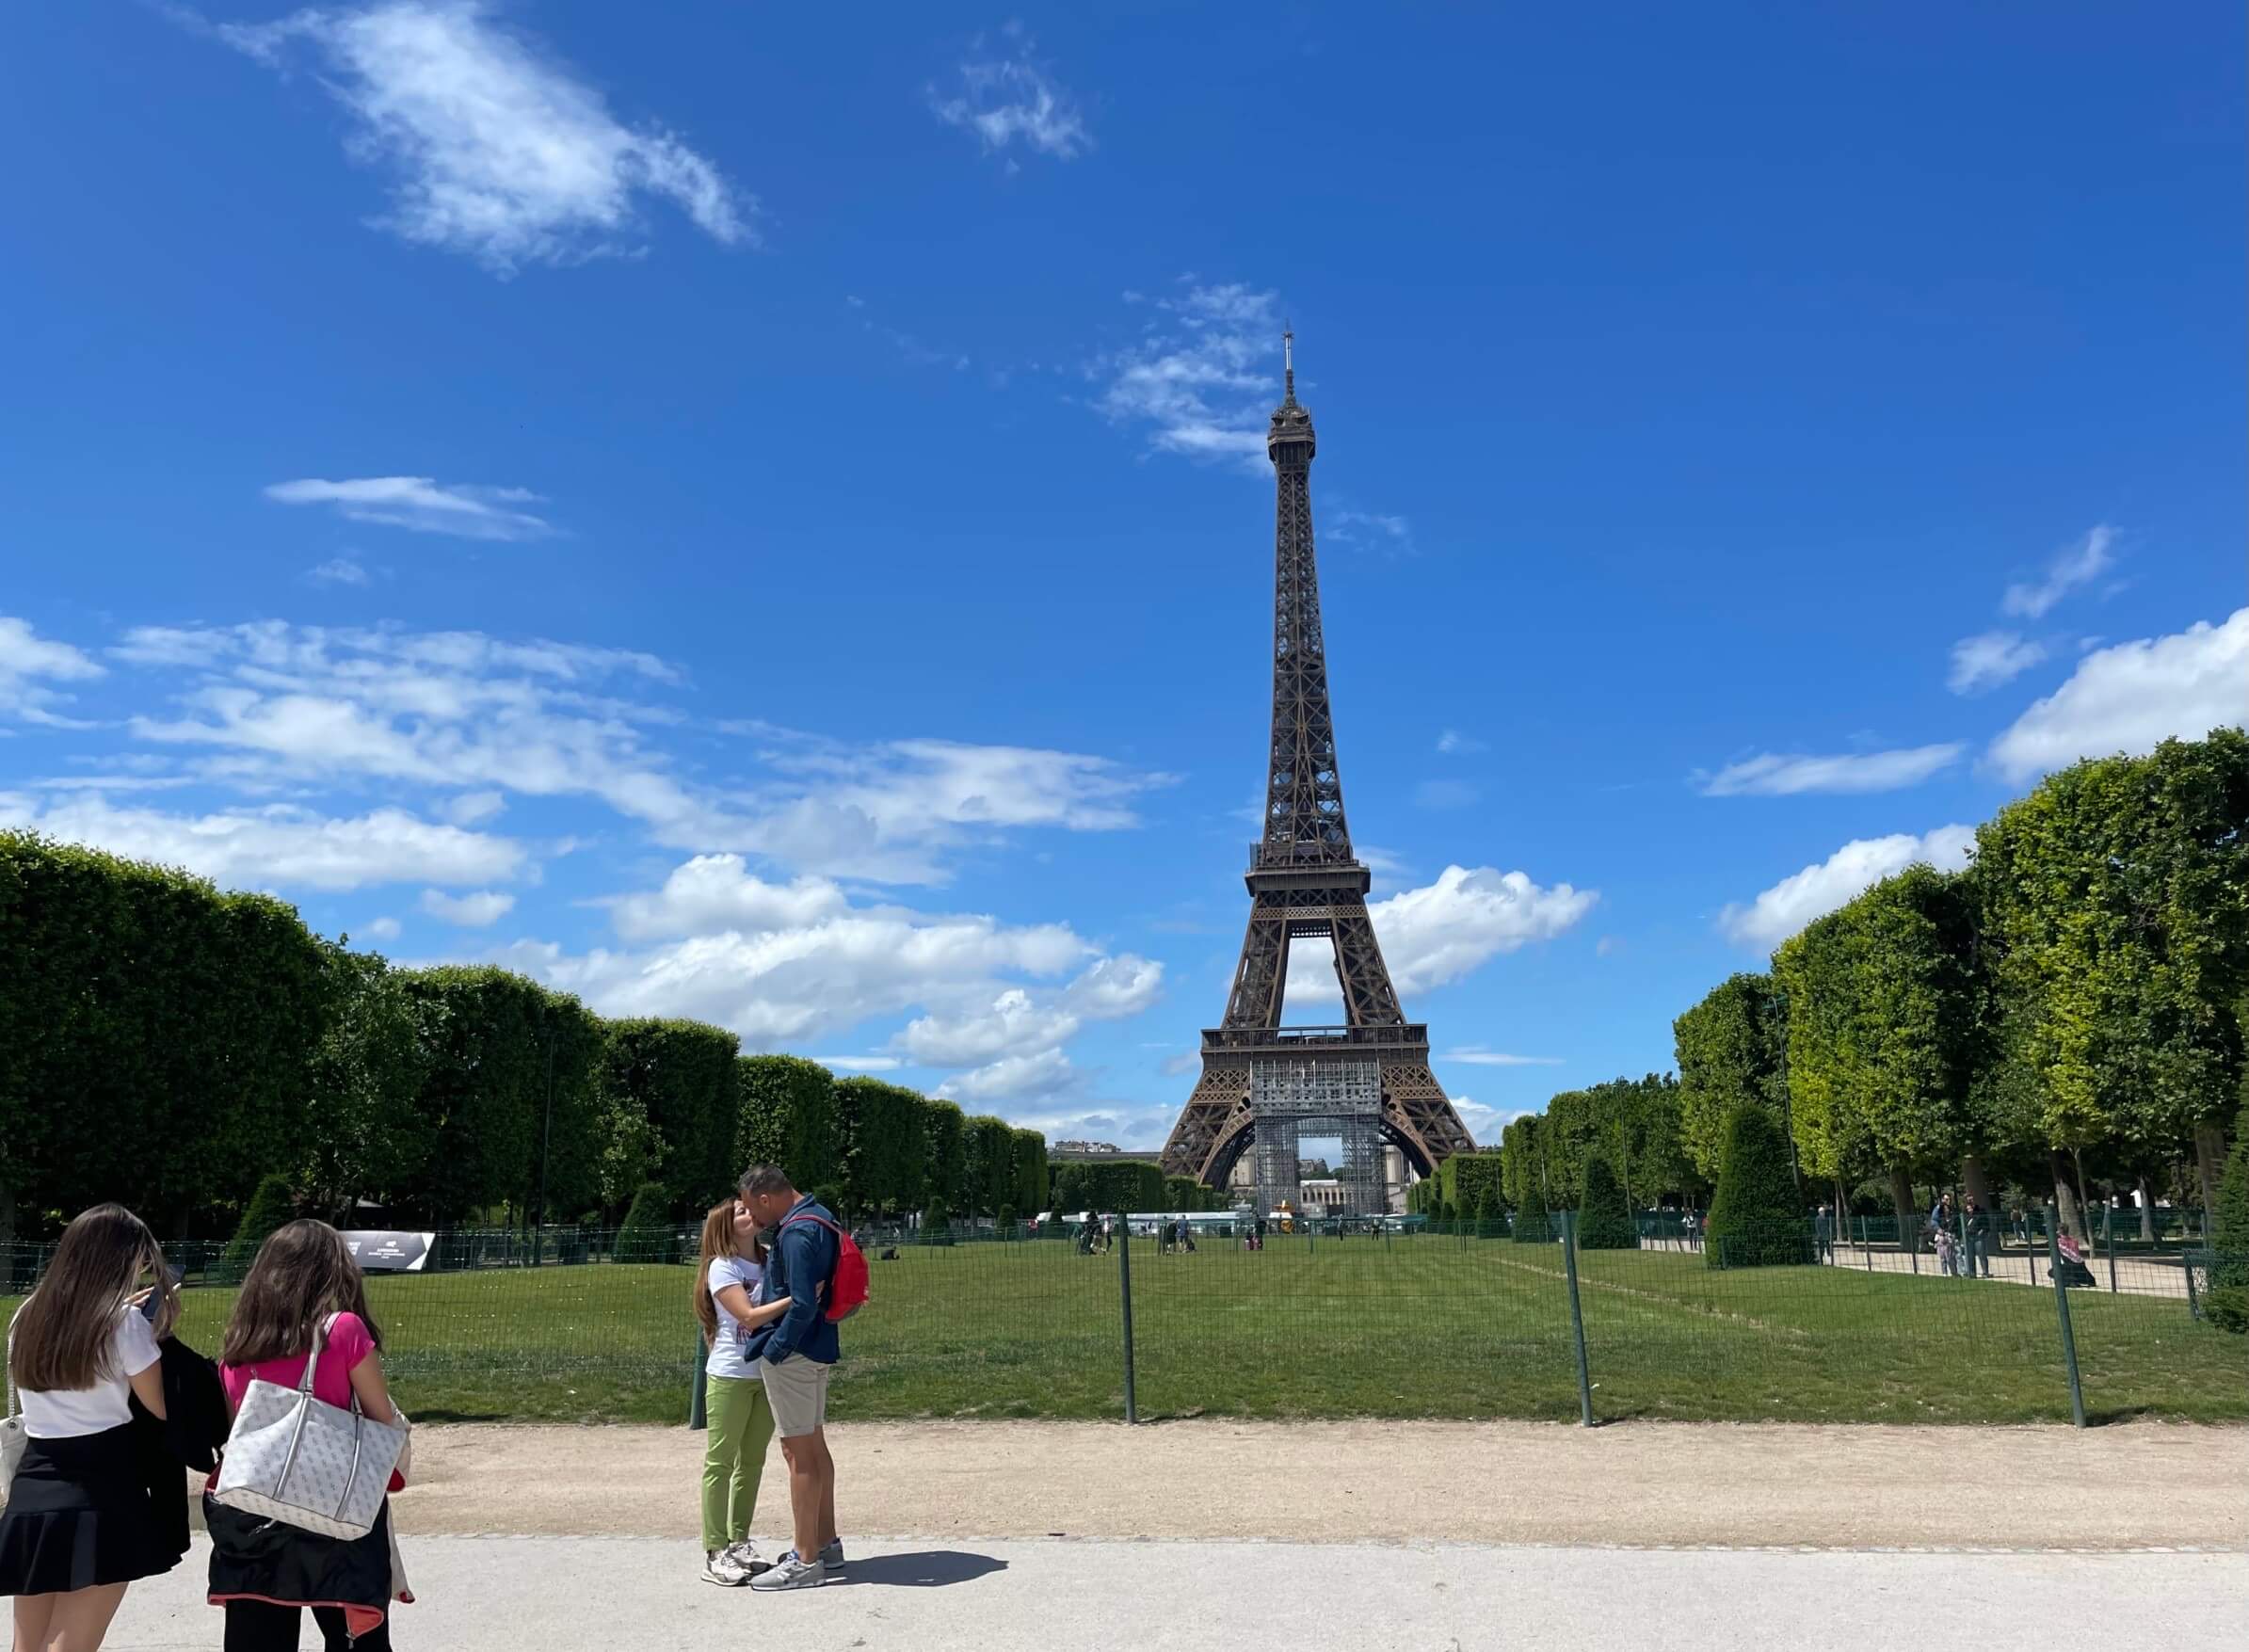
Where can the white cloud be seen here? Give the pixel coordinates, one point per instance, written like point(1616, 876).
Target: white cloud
point(861, 1064)
point(1370, 530)
point(24, 657)
point(1989, 659)
point(1476, 1055)
point(382, 929)
point(2073, 566)
point(418, 504)
point(1452, 742)
point(1040, 1074)
point(1019, 1022)
point(1771, 775)
point(1608, 946)
point(1012, 98)
point(1205, 378)
point(1485, 1123)
point(1821, 888)
point(479, 910)
point(1176, 1067)
point(1444, 930)
point(497, 150)
point(280, 845)
point(713, 894)
point(2129, 696)
point(474, 807)
point(338, 571)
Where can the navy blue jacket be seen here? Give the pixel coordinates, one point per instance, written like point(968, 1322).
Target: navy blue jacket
point(802, 1265)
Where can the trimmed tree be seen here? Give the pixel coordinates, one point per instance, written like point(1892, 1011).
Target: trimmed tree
point(1604, 1219)
point(647, 1234)
point(2227, 1304)
point(1755, 1220)
point(1532, 1225)
point(1492, 1210)
point(272, 1206)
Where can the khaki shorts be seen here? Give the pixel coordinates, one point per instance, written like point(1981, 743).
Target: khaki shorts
point(797, 1390)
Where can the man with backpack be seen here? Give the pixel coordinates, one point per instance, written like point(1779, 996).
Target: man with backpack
point(815, 1264)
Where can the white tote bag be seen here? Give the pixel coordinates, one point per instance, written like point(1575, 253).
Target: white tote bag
point(298, 1460)
point(11, 1427)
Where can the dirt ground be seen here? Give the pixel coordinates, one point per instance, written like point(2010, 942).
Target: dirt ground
point(1643, 1484)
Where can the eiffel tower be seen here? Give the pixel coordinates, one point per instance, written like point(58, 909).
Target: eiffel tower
point(1306, 883)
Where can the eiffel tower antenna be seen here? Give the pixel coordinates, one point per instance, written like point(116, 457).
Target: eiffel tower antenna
point(1306, 883)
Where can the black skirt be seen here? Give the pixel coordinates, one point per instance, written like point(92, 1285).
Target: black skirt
point(78, 1515)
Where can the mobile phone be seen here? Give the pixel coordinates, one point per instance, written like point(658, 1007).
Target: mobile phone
point(154, 1305)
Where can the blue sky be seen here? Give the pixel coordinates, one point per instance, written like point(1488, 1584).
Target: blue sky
point(758, 512)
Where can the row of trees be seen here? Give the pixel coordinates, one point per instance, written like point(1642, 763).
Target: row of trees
point(2068, 1009)
point(174, 1045)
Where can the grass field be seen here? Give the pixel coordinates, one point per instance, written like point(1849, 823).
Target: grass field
point(1414, 1328)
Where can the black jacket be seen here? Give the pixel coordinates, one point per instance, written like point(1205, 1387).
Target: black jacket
point(194, 1427)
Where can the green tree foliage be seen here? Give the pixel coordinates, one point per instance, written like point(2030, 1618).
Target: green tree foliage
point(1462, 1179)
point(1522, 1162)
point(514, 1079)
point(991, 1164)
point(1730, 1049)
point(365, 1134)
point(272, 1206)
point(2227, 1304)
point(1756, 1217)
point(1604, 1221)
point(1030, 1171)
point(1491, 1208)
point(649, 1233)
point(945, 1158)
point(2116, 899)
point(140, 1005)
point(1108, 1185)
point(677, 1079)
point(1183, 1193)
point(789, 1118)
point(883, 1148)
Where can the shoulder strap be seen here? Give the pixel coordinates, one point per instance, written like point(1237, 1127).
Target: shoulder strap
point(808, 1216)
point(313, 1359)
point(10, 1373)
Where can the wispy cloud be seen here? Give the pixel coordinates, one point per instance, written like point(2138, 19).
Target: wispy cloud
point(29, 663)
point(1989, 659)
point(1204, 375)
point(2129, 696)
point(1771, 774)
point(478, 910)
point(2073, 566)
point(1454, 742)
point(338, 571)
point(1476, 1055)
point(1368, 530)
point(497, 148)
point(861, 1064)
point(1013, 99)
point(422, 505)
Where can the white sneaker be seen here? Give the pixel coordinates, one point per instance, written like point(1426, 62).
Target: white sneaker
point(744, 1554)
point(722, 1568)
point(789, 1573)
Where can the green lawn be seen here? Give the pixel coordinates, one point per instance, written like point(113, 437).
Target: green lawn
point(1419, 1327)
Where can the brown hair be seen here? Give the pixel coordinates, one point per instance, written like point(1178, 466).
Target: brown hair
point(718, 1240)
point(303, 1273)
point(65, 1336)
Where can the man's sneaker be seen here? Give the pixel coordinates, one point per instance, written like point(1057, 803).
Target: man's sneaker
point(789, 1573)
point(831, 1558)
point(744, 1554)
point(722, 1568)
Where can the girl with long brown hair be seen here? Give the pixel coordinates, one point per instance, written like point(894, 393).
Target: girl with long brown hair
point(304, 1285)
point(729, 1270)
point(79, 1526)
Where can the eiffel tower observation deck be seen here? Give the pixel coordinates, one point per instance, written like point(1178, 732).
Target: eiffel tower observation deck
point(1306, 883)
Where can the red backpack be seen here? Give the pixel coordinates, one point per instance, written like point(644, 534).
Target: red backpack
point(847, 1290)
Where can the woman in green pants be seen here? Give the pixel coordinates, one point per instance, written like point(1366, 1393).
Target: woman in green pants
point(727, 1276)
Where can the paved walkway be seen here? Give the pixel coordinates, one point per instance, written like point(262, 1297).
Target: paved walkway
point(579, 1594)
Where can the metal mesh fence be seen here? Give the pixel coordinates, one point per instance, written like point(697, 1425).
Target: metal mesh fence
point(1801, 1320)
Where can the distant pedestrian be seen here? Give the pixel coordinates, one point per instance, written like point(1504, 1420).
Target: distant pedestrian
point(80, 1525)
point(1977, 1253)
point(1692, 1228)
point(799, 1353)
point(1823, 1233)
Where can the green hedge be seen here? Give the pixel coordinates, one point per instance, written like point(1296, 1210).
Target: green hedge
point(1030, 1171)
point(1109, 1185)
point(677, 1080)
point(1604, 1219)
point(789, 1118)
point(1462, 1179)
point(1756, 1219)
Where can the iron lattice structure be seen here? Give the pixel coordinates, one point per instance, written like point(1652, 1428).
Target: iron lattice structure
point(1306, 883)
point(1293, 1099)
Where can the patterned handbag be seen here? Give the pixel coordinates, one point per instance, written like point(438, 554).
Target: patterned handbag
point(298, 1460)
point(11, 1427)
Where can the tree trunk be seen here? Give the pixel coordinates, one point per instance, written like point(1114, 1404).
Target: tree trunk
point(1901, 1198)
point(1979, 1185)
point(2066, 1198)
point(2147, 1212)
point(2209, 1156)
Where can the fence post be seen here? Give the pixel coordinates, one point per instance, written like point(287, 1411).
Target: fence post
point(1866, 1247)
point(1124, 1284)
point(1577, 1314)
point(2107, 1236)
point(2069, 1342)
point(695, 1417)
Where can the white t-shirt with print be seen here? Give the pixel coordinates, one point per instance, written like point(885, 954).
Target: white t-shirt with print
point(726, 1348)
point(66, 1413)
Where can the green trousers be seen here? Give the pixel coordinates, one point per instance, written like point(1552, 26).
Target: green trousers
point(740, 1428)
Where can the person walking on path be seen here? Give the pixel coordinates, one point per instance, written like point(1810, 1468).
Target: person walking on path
point(79, 1527)
point(304, 1291)
point(728, 1274)
point(1978, 1252)
point(798, 1351)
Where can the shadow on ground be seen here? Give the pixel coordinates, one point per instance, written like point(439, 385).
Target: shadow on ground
point(927, 1569)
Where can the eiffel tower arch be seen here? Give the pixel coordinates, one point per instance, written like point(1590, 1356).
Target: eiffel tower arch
point(1305, 883)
